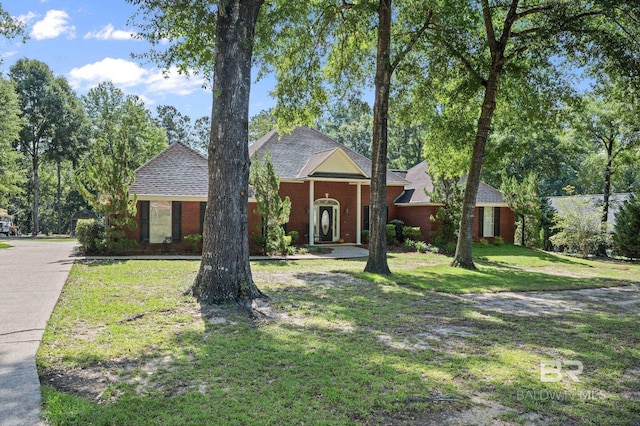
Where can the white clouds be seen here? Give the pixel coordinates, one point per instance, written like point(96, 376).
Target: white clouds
point(109, 33)
point(54, 24)
point(174, 83)
point(119, 71)
point(26, 18)
point(7, 55)
point(127, 74)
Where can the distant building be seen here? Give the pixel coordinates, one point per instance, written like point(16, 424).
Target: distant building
point(615, 202)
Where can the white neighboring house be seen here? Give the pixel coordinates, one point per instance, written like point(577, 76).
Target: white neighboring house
point(615, 202)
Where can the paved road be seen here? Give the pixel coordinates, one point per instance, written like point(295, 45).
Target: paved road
point(32, 274)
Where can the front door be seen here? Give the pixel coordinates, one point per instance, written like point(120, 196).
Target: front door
point(326, 223)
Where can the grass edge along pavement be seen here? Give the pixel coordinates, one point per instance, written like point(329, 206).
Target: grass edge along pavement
point(125, 346)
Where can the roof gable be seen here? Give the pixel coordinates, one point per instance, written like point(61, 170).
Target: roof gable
point(305, 152)
point(334, 162)
point(178, 172)
point(420, 184)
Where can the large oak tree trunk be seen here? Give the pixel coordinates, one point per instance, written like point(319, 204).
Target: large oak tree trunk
point(36, 195)
point(377, 261)
point(463, 256)
point(59, 202)
point(225, 273)
point(607, 186)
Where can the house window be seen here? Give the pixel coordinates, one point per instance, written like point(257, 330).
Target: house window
point(160, 225)
point(487, 223)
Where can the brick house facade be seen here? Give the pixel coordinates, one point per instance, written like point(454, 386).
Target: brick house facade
point(328, 185)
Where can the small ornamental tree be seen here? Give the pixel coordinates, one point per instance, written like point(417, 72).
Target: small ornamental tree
point(273, 210)
point(578, 225)
point(449, 194)
point(523, 199)
point(626, 237)
point(111, 181)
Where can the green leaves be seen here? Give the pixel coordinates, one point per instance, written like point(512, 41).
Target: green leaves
point(273, 210)
point(10, 124)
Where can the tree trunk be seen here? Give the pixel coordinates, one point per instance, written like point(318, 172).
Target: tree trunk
point(522, 234)
point(377, 260)
point(225, 274)
point(463, 256)
point(59, 206)
point(607, 188)
point(36, 195)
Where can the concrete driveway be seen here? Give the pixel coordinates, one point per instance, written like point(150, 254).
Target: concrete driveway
point(32, 274)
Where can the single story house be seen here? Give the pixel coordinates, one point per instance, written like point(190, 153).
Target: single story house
point(493, 218)
point(596, 201)
point(328, 184)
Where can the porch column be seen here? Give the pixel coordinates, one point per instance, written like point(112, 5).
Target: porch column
point(311, 199)
point(358, 212)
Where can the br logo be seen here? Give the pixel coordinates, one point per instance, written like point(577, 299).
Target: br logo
point(554, 371)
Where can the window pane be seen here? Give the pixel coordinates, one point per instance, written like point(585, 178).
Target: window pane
point(159, 221)
point(488, 222)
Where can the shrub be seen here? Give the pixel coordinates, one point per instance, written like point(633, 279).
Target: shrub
point(484, 241)
point(294, 235)
point(421, 246)
point(450, 248)
point(91, 235)
point(580, 229)
point(291, 250)
point(626, 238)
point(195, 240)
point(433, 249)
point(409, 244)
point(390, 232)
point(399, 225)
point(365, 236)
point(302, 250)
point(259, 242)
point(498, 241)
point(412, 232)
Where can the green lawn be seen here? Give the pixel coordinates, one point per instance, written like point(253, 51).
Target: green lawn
point(4, 245)
point(511, 268)
point(125, 346)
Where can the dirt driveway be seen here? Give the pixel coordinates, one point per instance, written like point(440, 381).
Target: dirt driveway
point(621, 300)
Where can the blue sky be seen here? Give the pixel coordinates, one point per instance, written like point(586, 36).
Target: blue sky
point(88, 42)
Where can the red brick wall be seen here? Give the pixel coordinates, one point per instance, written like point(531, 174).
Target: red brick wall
point(419, 216)
point(342, 192)
point(507, 226)
point(134, 234)
point(190, 224)
point(190, 218)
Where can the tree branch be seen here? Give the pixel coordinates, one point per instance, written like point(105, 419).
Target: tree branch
point(488, 24)
point(414, 39)
point(465, 62)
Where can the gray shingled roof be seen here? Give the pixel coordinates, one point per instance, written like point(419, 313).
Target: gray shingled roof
point(420, 180)
point(291, 153)
point(178, 171)
point(596, 200)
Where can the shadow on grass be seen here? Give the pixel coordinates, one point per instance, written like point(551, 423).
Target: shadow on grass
point(339, 350)
point(501, 254)
point(443, 278)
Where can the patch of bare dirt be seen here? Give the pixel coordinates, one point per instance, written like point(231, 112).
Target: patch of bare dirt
point(622, 300)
